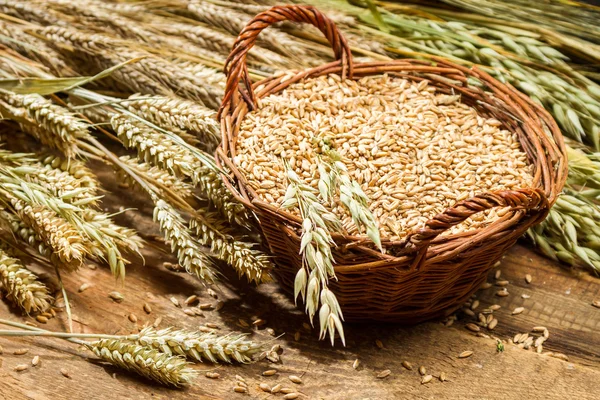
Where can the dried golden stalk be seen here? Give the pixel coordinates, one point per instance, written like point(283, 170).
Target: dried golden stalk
point(150, 74)
point(22, 286)
point(33, 48)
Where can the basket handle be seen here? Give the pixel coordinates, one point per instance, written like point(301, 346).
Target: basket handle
point(519, 199)
point(235, 65)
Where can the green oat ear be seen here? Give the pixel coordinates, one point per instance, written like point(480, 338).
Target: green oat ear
point(350, 194)
point(312, 279)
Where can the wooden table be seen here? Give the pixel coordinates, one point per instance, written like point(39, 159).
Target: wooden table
point(560, 300)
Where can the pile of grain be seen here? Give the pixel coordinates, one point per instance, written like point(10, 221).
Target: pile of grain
point(413, 151)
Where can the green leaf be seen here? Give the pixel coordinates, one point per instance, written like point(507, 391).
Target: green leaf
point(378, 19)
point(45, 86)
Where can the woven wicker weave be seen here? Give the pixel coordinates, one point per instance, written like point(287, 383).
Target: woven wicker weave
point(431, 274)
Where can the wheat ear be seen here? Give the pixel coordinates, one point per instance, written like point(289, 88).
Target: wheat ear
point(200, 346)
point(22, 287)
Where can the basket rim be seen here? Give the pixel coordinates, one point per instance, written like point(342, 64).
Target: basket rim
point(273, 85)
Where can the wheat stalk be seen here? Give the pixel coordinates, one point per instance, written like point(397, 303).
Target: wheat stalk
point(169, 113)
point(76, 168)
point(200, 346)
point(203, 73)
point(90, 53)
point(121, 352)
point(53, 125)
point(183, 243)
point(60, 224)
point(155, 174)
point(54, 231)
point(157, 147)
point(88, 15)
point(150, 363)
point(30, 11)
point(154, 146)
point(222, 43)
point(22, 286)
point(124, 237)
point(150, 74)
point(28, 237)
point(57, 182)
point(247, 261)
point(33, 48)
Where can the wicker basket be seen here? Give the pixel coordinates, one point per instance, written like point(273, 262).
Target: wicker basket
point(431, 274)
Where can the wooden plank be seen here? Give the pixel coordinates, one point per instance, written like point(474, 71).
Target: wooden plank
point(560, 299)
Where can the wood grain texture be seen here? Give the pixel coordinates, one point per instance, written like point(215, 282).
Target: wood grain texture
point(560, 300)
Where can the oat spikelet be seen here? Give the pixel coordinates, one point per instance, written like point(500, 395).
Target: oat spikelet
point(53, 125)
point(200, 346)
point(317, 259)
point(182, 243)
point(177, 113)
point(56, 233)
point(22, 286)
point(246, 260)
point(156, 174)
point(152, 364)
